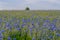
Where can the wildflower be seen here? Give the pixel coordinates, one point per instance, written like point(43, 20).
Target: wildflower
point(2, 31)
point(47, 20)
point(50, 37)
point(24, 20)
point(0, 20)
point(1, 35)
point(22, 25)
point(8, 24)
point(1, 39)
point(28, 26)
point(33, 38)
point(53, 27)
point(15, 24)
point(38, 23)
point(30, 29)
point(33, 25)
point(44, 24)
point(28, 20)
point(14, 38)
point(18, 28)
point(32, 22)
point(57, 34)
point(54, 21)
point(9, 38)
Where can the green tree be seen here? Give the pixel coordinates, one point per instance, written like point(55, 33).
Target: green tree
point(27, 8)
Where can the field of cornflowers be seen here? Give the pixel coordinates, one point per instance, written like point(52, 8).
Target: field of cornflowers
point(29, 25)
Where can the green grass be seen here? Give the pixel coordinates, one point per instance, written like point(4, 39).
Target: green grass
point(27, 14)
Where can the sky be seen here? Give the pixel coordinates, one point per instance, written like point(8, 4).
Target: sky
point(32, 4)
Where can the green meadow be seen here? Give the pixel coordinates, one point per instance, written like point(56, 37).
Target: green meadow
point(39, 32)
point(22, 13)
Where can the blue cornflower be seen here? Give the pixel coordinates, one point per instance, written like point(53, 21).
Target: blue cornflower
point(14, 38)
point(18, 28)
point(47, 20)
point(36, 19)
point(33, 38)
point(33, 25)
point(0, 19)
point(44, 24)
point(9, 38)
point(38, 23)
point(57, 34)
point(15, 24)
point(53, 27)
point(8, 24)
point(1, 36)
point(30, 29)
point(54, 21)
point(28, 26)
point(28, 20)
point(2, 31)
point(24, 20)
point(22, 25)
point(32, 22)
point(50, 36)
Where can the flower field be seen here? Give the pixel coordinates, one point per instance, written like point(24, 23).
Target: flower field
point(29, 25)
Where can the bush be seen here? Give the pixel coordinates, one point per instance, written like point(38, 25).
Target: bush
point(27, 8)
